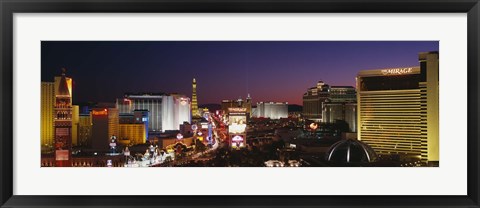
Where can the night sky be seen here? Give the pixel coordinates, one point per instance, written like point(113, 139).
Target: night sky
point(268, 70)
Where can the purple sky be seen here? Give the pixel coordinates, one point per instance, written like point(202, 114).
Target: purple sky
point(268, 70)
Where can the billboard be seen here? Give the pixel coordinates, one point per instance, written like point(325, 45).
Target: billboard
point(237, 124)
point(238, 141)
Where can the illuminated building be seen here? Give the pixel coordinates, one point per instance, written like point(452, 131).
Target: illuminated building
point(195, 112)
point(342, 94)
point(63, 124)
point(340, 111)
point(165, 112)
point(247, 104)
point(75, 124)
point(175, 111)
point(105, 123)
point(47, 113)
point(113, 121)
point(181, 112)
point(148, 101)
point(315, 98)
point(49, 90)
point(69, 81)
point(398, 109)
point(133, 128)
point(134, 132)
point(272, 110)
point(237, 127)
point(84, 130)
point(141, 116)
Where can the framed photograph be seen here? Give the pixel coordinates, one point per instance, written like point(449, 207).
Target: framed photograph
point(239, 103)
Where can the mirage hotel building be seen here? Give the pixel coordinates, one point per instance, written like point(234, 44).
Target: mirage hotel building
point(398, 110)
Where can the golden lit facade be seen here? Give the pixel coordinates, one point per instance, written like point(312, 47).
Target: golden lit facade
point(84, 130)
point(63, 124)
point(398, 110)
point(47, 115)
point(195, 112)
point(134, 132)
point(69, 85)
point(75, 124)
point(48, 92)
point(113, 121)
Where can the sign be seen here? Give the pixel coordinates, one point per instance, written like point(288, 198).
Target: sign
point(103, 112)
point(237, 141)
point(397, 71)
point(237, 138)
point(237, 109)
point(61, 155)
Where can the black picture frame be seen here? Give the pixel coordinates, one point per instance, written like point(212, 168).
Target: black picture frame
point(9, 7)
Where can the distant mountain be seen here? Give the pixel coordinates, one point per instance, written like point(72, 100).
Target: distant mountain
point(295, 108)
point(211, 107)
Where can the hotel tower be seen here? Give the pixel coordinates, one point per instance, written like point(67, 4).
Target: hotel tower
point(398, 110)
point(47, 106)
point(63, 124)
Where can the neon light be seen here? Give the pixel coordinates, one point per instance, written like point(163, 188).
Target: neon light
point(100, 112)
point(237, 138)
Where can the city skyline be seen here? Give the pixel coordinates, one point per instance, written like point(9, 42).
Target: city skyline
point(279, 71)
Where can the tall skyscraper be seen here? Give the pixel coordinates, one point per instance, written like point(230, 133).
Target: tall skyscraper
point(195, 112)
point(398, 110)
point(63, 124)
point(165, 111)
point(47, 113)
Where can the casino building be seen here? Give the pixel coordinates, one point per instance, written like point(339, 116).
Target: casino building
point(239, 103)
point(398, 110)
point(271, 110)
point(319, 99)
point(165, 111)
point(237, 127)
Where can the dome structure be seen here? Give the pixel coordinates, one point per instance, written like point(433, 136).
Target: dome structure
point(350, 151)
